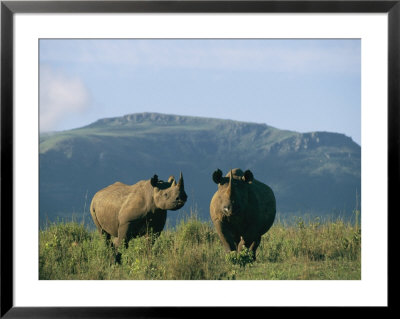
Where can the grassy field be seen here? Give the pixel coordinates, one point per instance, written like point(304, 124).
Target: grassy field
point(299, 250)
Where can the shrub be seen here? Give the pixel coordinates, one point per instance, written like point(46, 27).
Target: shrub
point(304, 250)
point(242, 258)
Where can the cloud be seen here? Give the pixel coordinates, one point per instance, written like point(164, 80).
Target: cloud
point(60, 96)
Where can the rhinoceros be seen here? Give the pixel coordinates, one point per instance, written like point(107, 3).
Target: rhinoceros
point(127, 211)
point(242, 209)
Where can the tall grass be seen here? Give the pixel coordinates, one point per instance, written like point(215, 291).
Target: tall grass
point(305, 249)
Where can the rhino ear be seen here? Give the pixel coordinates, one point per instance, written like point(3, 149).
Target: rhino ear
point(217, 176)
point(248, 176)
point(154, 181)
point(171, 180)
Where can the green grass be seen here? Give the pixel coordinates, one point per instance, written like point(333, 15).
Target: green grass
point(301, 250)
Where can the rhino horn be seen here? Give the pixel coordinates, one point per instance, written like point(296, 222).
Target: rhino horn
point(180, 182)
point(229, 190)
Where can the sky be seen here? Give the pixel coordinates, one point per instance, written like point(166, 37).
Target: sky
point(302, 85)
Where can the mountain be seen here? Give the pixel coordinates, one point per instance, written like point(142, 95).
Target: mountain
point(310, 173)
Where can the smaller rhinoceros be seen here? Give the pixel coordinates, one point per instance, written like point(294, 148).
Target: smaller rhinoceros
point(127, 211)
point(242, 209)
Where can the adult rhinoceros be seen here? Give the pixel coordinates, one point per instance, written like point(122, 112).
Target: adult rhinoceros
point(242, 209)
point(127, 211)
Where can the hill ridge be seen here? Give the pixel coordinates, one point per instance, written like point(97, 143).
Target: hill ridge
point(170, 119)
point(166, 118)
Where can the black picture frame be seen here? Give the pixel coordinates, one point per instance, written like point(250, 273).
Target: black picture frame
point(9, 8)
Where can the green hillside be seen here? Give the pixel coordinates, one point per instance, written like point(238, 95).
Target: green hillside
point(314, 173)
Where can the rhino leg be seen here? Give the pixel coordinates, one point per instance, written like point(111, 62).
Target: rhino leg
point(254, 245)
point(225, 236)
point(108, 236)
point(118, 241)
point(123, 234)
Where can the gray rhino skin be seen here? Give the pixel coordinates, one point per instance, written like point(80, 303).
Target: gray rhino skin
point(127, 211)
point(242, 209)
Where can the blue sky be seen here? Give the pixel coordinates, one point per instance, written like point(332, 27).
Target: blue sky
point(302, 85)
